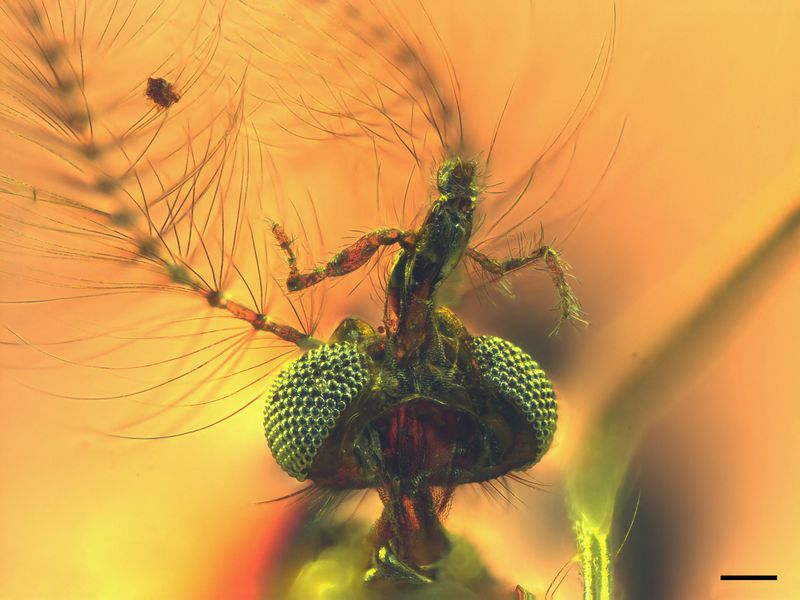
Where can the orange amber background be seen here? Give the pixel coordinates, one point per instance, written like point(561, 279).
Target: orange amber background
point(707, 165)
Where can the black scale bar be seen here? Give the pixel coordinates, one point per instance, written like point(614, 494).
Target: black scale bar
point(748, 577)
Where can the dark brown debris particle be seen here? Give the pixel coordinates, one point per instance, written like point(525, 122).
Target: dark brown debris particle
point(161, 92)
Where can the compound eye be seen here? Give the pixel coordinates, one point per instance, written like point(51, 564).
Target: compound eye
point(306, 400)
point(516, 378)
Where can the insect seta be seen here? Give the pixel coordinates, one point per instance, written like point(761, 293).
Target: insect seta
point(174, 206)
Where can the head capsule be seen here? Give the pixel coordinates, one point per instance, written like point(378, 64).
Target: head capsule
point(346, 417)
